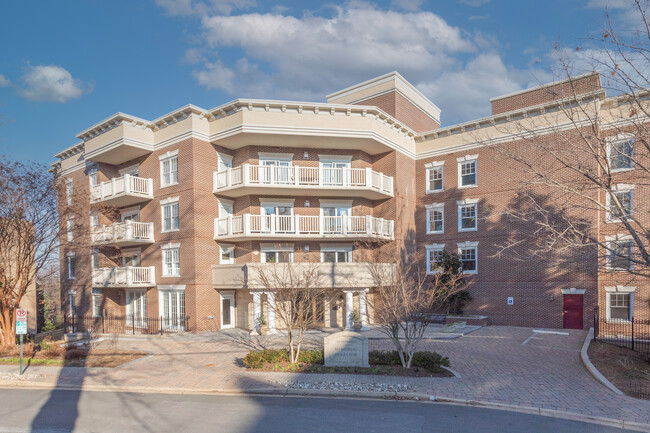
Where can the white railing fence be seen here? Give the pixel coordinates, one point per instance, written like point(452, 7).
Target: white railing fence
point(261, 175)
point(126, 231)
point(126, 184)
point(124, 276)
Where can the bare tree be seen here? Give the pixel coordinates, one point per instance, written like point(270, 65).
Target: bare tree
point(406, 298)
point(30, 233)
point(295, 290)
point(577, 160)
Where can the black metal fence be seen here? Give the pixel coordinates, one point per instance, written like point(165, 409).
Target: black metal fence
point(639, 391)
point(633, 333)
point(125, 324)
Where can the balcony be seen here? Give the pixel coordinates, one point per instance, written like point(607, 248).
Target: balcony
point(279, 180)
point(330, 275)
point(247, 226)
point(125, 277)
point(122, 191)
point(123, 234)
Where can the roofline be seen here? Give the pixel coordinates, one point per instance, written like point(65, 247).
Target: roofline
point(542, 86)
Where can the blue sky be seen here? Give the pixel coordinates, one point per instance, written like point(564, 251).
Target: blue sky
point(69, 64)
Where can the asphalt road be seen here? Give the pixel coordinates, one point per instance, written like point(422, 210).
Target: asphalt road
point(40, 411)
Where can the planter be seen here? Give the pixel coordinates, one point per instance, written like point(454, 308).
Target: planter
point(356, 326)
point(449, 328)
point(264, 329)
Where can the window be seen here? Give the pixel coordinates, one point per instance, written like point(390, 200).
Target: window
point(276, 253)
point(172, 308)
point(94, 221)
point(468, 256)
point(136, 308)
point(621, 154)
point(69, 191)
point(169, 170)
point(625, 196)
point(171, 261)
point(467, 171)
point(335, 169)
point(93, 178)
point(435, 218)
point(170, 220)
point(131, 258)
point(619, 306)
point(72, 303)
point(94, 259)
point(227, 254)
point(435, 178)
point(336, 253)
point(97, 302)
point(619, 255)
point(72, 265)
point(467, 215)
point(70, 228)
point(434, 257)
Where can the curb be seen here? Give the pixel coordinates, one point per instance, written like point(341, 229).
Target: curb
point(399, 395)
point(591, 368)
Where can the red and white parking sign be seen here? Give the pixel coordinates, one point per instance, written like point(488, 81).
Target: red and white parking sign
point(21, 314)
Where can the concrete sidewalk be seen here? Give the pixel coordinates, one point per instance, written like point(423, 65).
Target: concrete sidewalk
point(499, 366)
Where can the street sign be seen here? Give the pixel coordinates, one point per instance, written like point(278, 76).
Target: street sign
point(21, 321)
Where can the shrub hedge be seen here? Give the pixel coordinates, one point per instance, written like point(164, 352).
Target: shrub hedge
point(257, 359)
point(430, 361)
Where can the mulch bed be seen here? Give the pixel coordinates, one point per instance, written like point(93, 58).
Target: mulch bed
point(623, 367)
point(381, 370)
point(75, 357)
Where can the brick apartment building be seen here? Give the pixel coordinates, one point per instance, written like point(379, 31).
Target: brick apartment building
point(183, 209)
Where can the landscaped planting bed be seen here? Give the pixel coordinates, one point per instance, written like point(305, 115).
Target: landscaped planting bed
point(52, 354)
point(626, 369)
point(425, 364)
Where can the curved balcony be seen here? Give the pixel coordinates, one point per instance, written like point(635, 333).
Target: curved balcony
point(122, 191)
point(247, 226)
point(123, 234)
point(280, 180)
point(130, 276)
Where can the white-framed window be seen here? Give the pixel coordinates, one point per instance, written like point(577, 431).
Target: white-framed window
point(169, 168)
point(336, 253)
point(434, 257)
point(94, 220)
point(435, 218)
point(93, 177)
point(620, 152)
point(70, 229)
point(69, 191)
point(335, 169)
point(227, 255)
point(171, 301)
point(620, 303)
point(71, 260)
point(72, 302)
point(131, 257)
point(619, 253)
point(435, 176)
point(170, 215)
point(136, 308)
point(94, 259)
point(468, 252)
point(276, 253)
point(224, 161)
point(171, 260)
point(97, 302)
point(467, 171)
point(467, 218)
point(625, 196)
point(277, 215)
point(335, 216)
point(276, 168)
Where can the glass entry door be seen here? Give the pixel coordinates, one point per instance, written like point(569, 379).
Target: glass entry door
point(282, 220)
point(227, 311)
point(335, 172)
point(136, 308)
point(276, 171)
point(335, 218)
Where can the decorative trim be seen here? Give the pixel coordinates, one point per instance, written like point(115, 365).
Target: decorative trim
point(435, 206)
point(169, 200)
point(433, 164)
point(467, 244)
point(334, 158)
point(276, 201)
point(573, 291)
point(278, 246)
point(467, 201)
point(171, 287)
point(335, 202)
point(168, 154)
point(467, 158)
point(435, 247)
point(275, 155)
point(170, 246)
point(620, 289)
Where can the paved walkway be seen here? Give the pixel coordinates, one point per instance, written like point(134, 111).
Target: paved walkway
point(497, 364)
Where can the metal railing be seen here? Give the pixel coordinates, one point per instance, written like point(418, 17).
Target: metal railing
point(125, 185)
point(633, 333)
point(352, 226)
point(107, 324)
point(126, 231)
point(273, 175)
point(124, 276)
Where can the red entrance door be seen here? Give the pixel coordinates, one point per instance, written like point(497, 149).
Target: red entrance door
point(573, 311)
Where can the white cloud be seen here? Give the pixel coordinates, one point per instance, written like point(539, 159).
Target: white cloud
point(4, 82)
point(193, 7)
point(51, 83)
point(475, 3)
point(624, 12)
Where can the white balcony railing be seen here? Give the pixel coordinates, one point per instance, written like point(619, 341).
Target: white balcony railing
point(264, 175)
point(122, 233)
point(122, 186)
point(124, 277)
point(304, 225)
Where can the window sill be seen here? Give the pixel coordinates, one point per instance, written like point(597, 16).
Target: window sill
point(171, 276)
point(619, 321)
point(167, 186)
point(470, 272)
point(468, 230)
point(441, 232)
point(467, 186)
point(433, 191)
point(621, 170)
point(618, 269)
point(170, 231)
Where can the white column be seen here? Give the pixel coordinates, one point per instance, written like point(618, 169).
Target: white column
point(363, 309)
point(257, 310)
point(270, 299)
point(349, 306)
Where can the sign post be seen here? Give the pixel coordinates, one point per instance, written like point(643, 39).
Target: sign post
point(21, 329)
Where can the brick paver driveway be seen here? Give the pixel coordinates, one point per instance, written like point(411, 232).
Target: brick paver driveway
point(496, 364)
